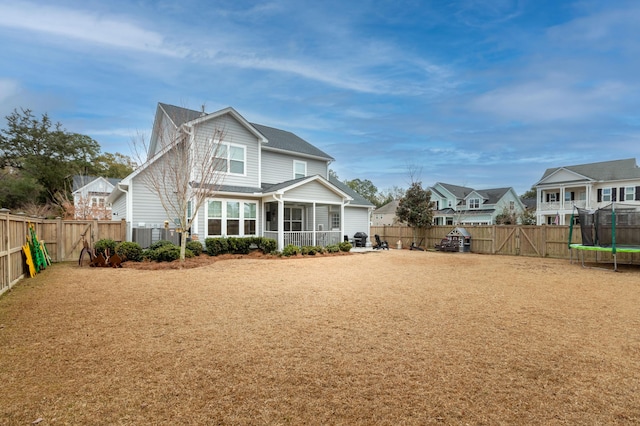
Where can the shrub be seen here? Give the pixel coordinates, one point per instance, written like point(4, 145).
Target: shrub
point(267, 245)
point(334, 248)
point(290, 250)
point(216, 246)
point(344, 246)
point(129, 250)
point(311, 250)
point(169, 253)
point(239, 245)
point(104, 244)
point(160, 243)
point(195, 247)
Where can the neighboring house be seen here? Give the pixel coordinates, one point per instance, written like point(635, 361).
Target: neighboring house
point(588, 186)
point(276, 185)
point(385, 215)
point(460, 205)
point(90, 195)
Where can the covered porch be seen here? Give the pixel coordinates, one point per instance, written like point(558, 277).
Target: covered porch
point(304, 224)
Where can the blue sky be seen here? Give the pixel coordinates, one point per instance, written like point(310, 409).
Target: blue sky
point(480, 93)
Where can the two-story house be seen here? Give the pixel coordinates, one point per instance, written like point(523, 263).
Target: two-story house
point(589, 186)
point(90, 195)
point(461, 205)
point(273, 184)
point(386, 215)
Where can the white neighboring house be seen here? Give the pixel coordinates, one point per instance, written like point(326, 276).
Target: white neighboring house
point(90, 195)
point(279, 186)
point(460, 205)
point(588, 186)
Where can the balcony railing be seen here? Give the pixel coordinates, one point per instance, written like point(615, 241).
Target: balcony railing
point(567, 205)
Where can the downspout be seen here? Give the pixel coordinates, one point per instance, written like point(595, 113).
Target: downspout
point(128, 209)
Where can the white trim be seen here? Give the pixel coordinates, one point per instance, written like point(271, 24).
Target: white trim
point(223, 204)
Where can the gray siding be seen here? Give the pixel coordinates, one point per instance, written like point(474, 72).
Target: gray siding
point(119, 208)
point(234, 133)
point(147, 207)
point(313, 191)
point(277, 167)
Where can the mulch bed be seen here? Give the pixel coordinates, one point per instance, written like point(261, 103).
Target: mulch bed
point(393, 337)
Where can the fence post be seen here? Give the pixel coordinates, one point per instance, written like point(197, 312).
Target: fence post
point(123, 229)
point(60, 239)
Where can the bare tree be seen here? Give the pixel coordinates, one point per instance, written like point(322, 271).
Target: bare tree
point(183, 169)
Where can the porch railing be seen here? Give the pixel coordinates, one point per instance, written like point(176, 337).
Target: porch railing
point(305, 238)
point(567, 205)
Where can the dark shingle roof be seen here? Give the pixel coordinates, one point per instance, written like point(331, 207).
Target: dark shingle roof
point(180, 115)
point(492, 196)
point(278, 139)
point(389, 208)
point(281, 139)
point(358, 200)
point(603, 171)
point(458, 191)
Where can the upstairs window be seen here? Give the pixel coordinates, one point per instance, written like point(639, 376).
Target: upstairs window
point(299, 169)
point(473, 203)
point(512, 205)
point(629, 193)
point(230, 158)
point(606, 194)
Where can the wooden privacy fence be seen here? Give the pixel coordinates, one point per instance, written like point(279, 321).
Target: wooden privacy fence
point(512, 240)
point(63, 239)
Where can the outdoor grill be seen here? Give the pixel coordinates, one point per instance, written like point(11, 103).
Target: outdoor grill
point(360, 239)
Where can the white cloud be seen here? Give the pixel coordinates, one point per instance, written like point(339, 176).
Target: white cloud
point(84, 26)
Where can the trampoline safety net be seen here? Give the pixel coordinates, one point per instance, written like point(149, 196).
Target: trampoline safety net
point(610, 225)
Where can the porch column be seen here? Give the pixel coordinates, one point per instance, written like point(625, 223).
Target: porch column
point(342, 231)
point(313, 220)
point(562, 207)
point(280, 224)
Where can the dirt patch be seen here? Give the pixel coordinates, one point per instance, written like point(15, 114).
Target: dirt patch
point(393, 337)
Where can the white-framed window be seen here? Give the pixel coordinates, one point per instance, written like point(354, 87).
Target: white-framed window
point(335, 220)
point(231, 158)
point(449, 204)
point(552, 197)
point(299, 169)
point(606, 194)
point(231, 218)
point(473, 203)
point(512, 205)
point(629, 193)
point(293, 219)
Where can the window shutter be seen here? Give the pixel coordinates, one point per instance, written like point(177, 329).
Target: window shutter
point(547, 198)
point(573, 196)
point(557, 196)
point(621, 197)
point(599, 195)
point(637, 193)
point(613, 194)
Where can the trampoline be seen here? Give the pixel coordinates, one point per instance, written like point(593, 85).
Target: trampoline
point(613, 229)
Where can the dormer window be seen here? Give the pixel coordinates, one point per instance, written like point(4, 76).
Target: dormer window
point(473, 203)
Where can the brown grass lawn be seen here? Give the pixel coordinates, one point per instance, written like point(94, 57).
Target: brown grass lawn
point(390, 338)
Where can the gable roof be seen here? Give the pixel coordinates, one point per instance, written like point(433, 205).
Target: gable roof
point(80, 181)
point(457, 191)
point(276, 139)
point(493, 195)
point(601, 171)
point(358, 200)
point(389, 208)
